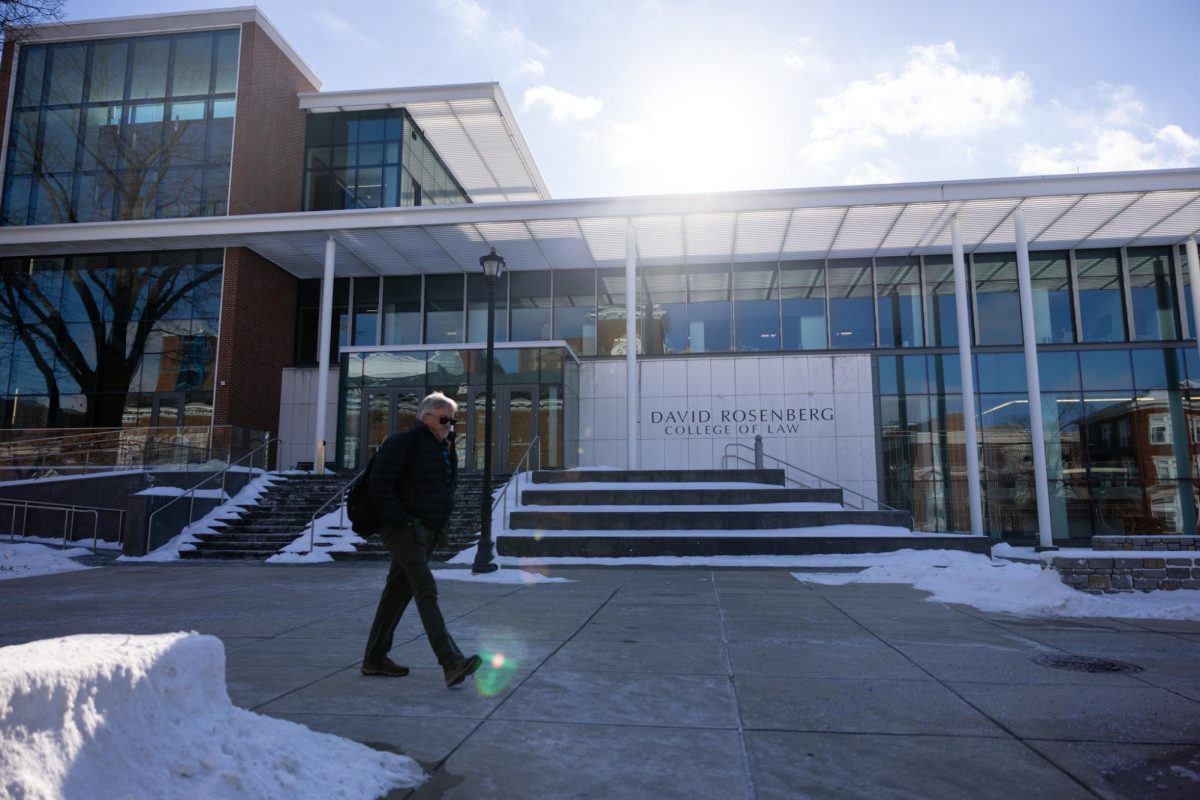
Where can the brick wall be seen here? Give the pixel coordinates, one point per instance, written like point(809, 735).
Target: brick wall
point(258, 322)
point(1169, 542)
point(268, 137)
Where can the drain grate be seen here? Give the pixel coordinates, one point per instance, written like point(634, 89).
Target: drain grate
point(1085, 664)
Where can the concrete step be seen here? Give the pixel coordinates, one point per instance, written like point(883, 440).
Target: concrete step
point(772, 477)
point(247, 553)
point(237, 546)
point(700, 520)
point(679, 497)
point(279, 539)
point(684, 545)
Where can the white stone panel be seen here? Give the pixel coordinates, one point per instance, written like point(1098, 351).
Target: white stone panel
point(699, 377)
point(746, 377)
point(652, 455)
point(675, 454)
point(609, 420)
point(820, 374)
point(723, 377)
point(587, 379)
point(770, 375)
point(700, 454)
point(845, 375)
point(795, 375)
point(675, 380)
point(651, 377)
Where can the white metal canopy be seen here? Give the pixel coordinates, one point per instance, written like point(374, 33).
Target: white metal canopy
point(1102, 210)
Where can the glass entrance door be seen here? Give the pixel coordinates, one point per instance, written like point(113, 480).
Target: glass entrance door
point(386, 411)
point(514, 424)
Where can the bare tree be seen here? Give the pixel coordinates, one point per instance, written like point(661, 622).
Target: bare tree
point(16, 14)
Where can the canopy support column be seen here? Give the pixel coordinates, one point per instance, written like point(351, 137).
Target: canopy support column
point(970, 439)
point(323, 355)
point(1041, 485)
point(631, 370)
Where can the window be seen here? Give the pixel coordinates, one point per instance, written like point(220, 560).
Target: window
point(851, 304)
point(996, 300)
point(1101, 308)
point(756, 307)
point(1160, 430)
point(1152, 293)
point(802, 305)
point(898, 302)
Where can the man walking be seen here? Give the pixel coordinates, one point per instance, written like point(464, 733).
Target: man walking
point(412, 488)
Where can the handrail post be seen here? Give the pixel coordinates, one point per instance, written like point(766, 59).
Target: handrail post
point(758, 451)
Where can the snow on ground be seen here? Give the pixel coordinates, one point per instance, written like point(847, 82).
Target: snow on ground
point(26, 559)
point(499, 576)
point(332, 534)
point(150, 716)
point(988, 584)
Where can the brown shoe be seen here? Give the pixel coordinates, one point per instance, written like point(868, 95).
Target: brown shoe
point(383, 666)
point(457, 671)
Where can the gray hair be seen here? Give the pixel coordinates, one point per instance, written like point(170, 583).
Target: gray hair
point(433, 401)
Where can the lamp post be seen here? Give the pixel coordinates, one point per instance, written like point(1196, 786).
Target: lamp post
point(493, 266)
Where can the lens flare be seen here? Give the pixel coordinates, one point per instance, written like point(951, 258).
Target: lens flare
point(496, 673)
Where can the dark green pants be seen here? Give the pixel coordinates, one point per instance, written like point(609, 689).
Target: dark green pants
point(409, 578)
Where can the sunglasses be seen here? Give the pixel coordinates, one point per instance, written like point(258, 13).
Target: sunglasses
point(445, 420)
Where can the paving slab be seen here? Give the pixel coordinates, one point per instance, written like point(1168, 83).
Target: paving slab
point(690, 683)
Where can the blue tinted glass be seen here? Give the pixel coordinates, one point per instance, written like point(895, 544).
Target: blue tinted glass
point(945, 374)
point(1058, 372)
point(1101, 314)
point(709, 328)
point(1001, 372)
point(1152, 293)
point(803, 324)
point(757, 323)
point(1106, 369)
point(1158, 369)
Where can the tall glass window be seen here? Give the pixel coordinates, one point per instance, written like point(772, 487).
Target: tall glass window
point(444, 319)
point(1048, 277)
point(756, 307)
point(575, 309)
point(531, 305)
point(851, 303)
point(1101, 303)
point(477, 307)
point(710, 312)
point(899, 302)
point(802, 305)
point(610, 313)
point(109, 341)
point(122, 129)
point(940, 305)
point(1152, 293)
point(664, 310)
point(366, 312)
point(997, 303)
point(402, 309)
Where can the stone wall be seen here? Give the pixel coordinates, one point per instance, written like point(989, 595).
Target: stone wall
point(1128, 573)
point(1139, 543)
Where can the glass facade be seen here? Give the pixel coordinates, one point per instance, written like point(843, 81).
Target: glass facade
point(536, 395)
point(119, 129)
point(373, 159)
point(124, 340)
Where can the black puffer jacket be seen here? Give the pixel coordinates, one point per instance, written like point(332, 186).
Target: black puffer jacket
point(408, 478)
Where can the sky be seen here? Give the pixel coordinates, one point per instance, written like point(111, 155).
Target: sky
point(631, 97)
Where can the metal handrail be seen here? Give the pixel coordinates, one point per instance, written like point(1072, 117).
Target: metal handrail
point(340, 494)
point(516, 476)
point(192, 491)
point(69, 516)
point(757, 463)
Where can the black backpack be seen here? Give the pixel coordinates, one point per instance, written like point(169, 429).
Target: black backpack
point(364, 519)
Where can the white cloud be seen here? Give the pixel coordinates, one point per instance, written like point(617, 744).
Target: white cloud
point(803, 56)
point(930, 98)
point(1109, 134)
point(470, 17)
point(868, 173)
point(531, 67)
point(1110, 150)
point(563, 106)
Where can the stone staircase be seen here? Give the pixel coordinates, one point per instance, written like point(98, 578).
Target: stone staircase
point(282, 514)
point(613, 513)
point(462, 532)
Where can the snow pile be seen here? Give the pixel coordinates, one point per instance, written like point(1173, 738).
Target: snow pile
point(333, 534)
point(149, 716)
point(995, 585)
point(24, 560)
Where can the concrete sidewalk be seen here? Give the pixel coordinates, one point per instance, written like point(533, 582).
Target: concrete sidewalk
point(682, 683)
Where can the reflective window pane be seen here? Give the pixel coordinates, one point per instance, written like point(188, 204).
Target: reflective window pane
point(1152, 293)
point(851, 304)
point(1101, 309)
point(1051, 289)
point(899, 302)
point(940, 306)
point(802, 305)
point(996, 299)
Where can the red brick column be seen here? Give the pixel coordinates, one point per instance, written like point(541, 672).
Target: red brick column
point(258, 325)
